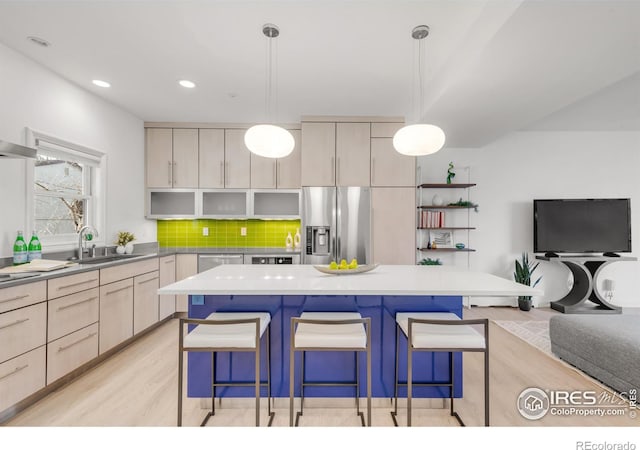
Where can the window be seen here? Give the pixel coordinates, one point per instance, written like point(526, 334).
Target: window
point(66, 190)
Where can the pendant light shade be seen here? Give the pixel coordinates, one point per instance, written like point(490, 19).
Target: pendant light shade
point(268, 140)
point(419, 139)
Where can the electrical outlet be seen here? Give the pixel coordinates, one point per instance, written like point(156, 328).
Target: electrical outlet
point(205, 231)
point(243, 231)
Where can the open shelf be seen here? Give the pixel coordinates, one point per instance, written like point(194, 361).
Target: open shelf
point(446, 186)
point(446, 249)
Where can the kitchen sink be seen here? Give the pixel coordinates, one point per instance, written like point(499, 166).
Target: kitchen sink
point(102, 259)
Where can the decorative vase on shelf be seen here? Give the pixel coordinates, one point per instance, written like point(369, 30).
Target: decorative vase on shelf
point(128, 248)
point(120, 249)
point(289, 242)
point(296, 239)
point(437, 200)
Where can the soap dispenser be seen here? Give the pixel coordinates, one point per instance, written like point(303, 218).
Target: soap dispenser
point(289, 242)
point(296, 239)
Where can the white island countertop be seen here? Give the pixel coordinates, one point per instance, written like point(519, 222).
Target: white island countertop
point(236, 279)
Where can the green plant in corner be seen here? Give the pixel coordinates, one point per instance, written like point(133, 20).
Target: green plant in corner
point(523, 274)
point(124, 237)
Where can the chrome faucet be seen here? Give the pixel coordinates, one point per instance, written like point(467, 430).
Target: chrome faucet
point(81, 235)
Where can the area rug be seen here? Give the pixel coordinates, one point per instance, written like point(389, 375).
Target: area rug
point(533, 332)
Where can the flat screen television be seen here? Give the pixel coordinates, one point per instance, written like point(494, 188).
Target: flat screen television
point(582, 225)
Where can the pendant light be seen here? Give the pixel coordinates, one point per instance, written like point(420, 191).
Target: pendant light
point(268, 140)
point(419, 138)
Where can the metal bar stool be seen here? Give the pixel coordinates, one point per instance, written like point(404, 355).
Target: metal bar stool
point(330, 331)
point(229, 332)
point(440, 332)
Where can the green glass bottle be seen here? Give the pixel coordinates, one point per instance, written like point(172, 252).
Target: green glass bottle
point(19, 250)
point(35, 248)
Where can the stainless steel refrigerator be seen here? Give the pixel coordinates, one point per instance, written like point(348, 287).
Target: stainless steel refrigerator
point(336, 222)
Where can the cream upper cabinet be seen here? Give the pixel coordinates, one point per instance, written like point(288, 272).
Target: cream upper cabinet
point(159, 157)
point(318, 155)
point(393, 212)
point(288, 168)
point(185, 158)
point(390, 168)
point(237, 170)
point(353, 154)
point(211, 158)
point(172, 158)
point(281, 173)
point(263, 172)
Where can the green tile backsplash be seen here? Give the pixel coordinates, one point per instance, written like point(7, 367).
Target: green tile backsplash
point(225, 233)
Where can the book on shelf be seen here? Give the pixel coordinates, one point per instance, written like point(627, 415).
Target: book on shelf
point(431, 219)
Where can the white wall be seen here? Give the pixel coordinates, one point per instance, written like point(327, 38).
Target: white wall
point(32, 96)
point(522, 166)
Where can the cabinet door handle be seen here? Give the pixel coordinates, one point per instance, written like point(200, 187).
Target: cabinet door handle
point(17, 297)
point(170, 261)
point(333, 170)
point(279, 168)
point(146, 281)
point(65, 347)
point(175, 170)
point(14, 371)
point(118, 290)
point(338, 171)
point(226, 173)
point(275, 174)
point(13, 323)
point(169, 174)
point(76, 303)
point(67, 286)
point(221, 173)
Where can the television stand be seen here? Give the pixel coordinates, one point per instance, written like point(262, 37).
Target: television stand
point(585, 270)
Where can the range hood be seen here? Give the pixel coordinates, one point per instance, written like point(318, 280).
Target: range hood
point(9, 150)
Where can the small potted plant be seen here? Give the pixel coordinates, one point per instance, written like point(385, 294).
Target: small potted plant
point(523, 273)
point(125, 242)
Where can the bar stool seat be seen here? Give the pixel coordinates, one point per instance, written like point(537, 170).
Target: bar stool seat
point(330, 331)
point(440, 336)
point(440, 332)
point(229, 332)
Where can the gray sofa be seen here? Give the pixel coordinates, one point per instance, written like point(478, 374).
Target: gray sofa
point(606, 347)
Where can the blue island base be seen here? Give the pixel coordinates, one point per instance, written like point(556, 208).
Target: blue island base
point(325, 366)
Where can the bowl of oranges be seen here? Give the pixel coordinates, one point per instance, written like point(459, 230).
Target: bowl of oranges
point(344, 268)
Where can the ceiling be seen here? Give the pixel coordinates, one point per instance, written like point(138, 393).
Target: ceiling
point(491, 66)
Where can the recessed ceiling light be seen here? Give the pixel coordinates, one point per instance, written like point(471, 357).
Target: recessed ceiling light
point(187, 84)
point(39, 41)
point(101, 83)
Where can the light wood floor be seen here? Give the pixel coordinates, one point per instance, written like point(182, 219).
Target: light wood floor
point(137, 387)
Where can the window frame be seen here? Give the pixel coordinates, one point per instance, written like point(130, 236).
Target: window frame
point(96, 163)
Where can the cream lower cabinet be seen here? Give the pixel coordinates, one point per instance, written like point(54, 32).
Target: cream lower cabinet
point(145, 301)
point(22, 376)
point(186, 265)
point(23, 335)
point(71, 351)
point(167, 271)
point(393, 213)
point(116, 313)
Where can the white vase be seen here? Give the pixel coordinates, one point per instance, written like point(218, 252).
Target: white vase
point(128, 248)
point(120, 249)
point(437, 200)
